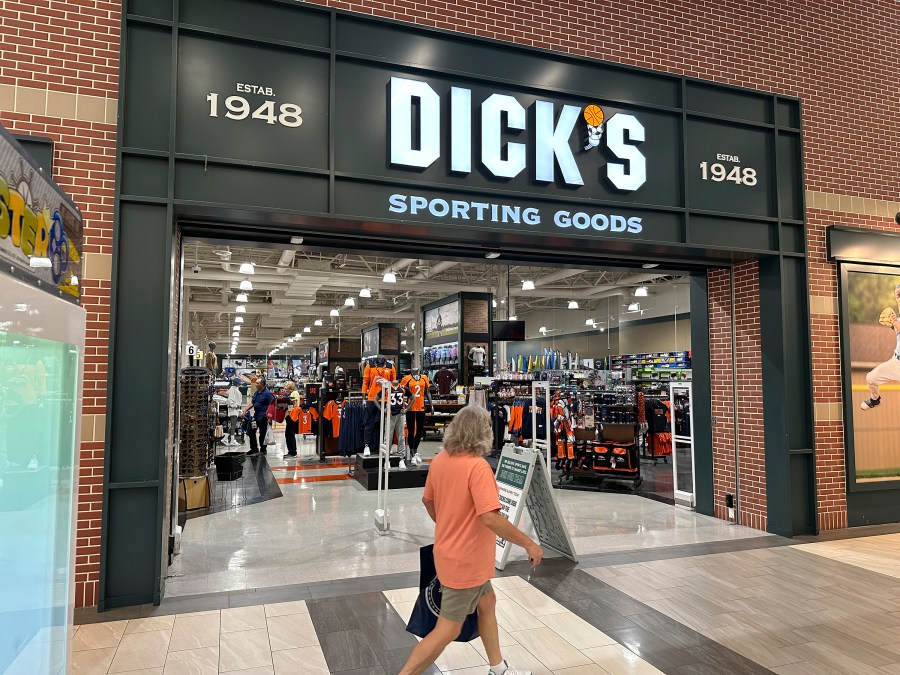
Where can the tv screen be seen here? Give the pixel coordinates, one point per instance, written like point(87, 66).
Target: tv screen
point(509, 331)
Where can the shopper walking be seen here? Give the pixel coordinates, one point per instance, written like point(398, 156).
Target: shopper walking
point(463, 500)
point(291, 424)
point(235, 399)
point(259, 404)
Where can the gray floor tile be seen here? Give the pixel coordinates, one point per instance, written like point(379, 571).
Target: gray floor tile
point(652, 648)
point(333, 615)
point(386, 633)
point(669, 629)
point(599, 616)
point(347, 650)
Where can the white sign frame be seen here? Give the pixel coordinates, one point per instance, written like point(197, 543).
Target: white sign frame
point(536, 494)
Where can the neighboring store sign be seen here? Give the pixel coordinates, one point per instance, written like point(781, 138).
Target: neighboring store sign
point(40, 228)
point(524, 483)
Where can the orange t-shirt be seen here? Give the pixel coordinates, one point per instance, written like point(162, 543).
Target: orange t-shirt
point(304, 419)
point(462, 488)
point(417, 388)
point(373, 373)
point(333, 412)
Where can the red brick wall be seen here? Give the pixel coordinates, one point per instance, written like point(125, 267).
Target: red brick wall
point(751, 492)
point(72, 46)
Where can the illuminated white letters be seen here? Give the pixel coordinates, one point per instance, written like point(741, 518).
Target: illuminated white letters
point(491, 136)
point(403, 152)
point(552, 143)
point(460, 130)
point(416, 137)
point(622, 132)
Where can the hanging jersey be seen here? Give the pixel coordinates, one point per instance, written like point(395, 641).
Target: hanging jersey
point(304, 418)
point(397, 399)
point(417, 389)
point(332, 413)
point(374, 373)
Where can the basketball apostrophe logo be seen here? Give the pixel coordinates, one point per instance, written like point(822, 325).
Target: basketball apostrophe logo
point(593, 118)
point(417, 135)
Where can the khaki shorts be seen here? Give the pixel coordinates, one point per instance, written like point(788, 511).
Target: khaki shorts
point(458, 603)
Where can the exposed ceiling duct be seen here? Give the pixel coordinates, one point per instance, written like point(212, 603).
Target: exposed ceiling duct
point(284, 263)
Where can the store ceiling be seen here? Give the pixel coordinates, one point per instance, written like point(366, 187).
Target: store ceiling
point(294, 287)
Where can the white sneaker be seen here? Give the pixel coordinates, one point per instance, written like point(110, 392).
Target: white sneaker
point(512, 671)
point(367, 452)
point(402, 464)
point(416, 460)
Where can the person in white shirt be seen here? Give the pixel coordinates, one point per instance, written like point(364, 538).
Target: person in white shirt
point(235, 401)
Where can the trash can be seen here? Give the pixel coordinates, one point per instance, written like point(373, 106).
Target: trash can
point(230, 465)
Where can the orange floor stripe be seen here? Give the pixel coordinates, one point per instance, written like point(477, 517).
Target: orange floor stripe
point(312, 479)
point(307, 467)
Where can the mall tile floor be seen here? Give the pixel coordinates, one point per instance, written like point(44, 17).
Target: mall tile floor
point(322, 529)
point(756, 605)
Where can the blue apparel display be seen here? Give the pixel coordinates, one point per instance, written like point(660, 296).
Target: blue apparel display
point(353, 420)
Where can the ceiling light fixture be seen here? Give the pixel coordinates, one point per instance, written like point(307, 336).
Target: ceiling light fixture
point(307, 329)
point(239, 319)
point(242, 297)
point(527, 285)
point(318, 322)
point(74, 280)
point(634, 307)
point(240, 309)
point(390, 278)
point(365, 292)
point(246, 285)
point(588, 322)
point(650, 266)
point(542, 329)
point(492, 255)
point(495, 304)
point(291, 339)
point(247, 268)
point(513, 318)
point(412, 326)
point(641, 292)
point(334, 312)
point(573, 304)
point(402, 343)
point(350, 302)
point(297, 240)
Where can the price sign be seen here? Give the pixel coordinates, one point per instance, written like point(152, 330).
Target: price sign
point(191, 351)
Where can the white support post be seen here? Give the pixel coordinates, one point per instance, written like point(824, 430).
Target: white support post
point(382, 515)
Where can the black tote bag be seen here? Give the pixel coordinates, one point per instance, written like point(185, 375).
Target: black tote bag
point(428, 605)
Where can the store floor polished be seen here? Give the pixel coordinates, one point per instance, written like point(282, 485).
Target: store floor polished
point(322, 530)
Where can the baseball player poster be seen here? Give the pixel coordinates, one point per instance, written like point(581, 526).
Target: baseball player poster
point(873, 302)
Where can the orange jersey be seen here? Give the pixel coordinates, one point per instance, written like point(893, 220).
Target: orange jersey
point(417, 389)
point(333, 412)
point(304, 419)
point(371, 375)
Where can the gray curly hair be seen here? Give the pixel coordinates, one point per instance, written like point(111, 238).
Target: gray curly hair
point(469, 433)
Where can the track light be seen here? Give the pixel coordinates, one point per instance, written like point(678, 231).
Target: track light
point(390, 278)
point(247, 268)
point(246, 285)
point(242, 297)
point(641, 292)
point(365, 292)
point(527, 285)
point(573, 304)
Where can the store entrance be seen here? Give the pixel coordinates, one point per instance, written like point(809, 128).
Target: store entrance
point(279, 494)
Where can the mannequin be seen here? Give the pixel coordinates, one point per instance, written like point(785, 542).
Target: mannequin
point(377, 369)
point(210, 361)
point(417, 384)
point(399, 401)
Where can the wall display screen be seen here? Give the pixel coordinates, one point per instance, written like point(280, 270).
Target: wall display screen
point(442, 322)
point(323, 352)
point(370, 342)
point(509, 331)
point(872, 305)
